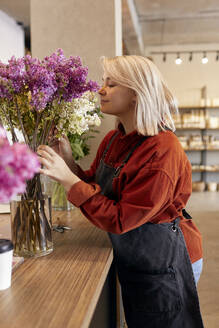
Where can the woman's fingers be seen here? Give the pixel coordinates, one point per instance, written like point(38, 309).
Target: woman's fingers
point(54, 143)
point(44, 154)
point(47, 149)
point(53, 131)
point(44, 162)
point(43, 171)
point(53, 135)
point(64, 137)
point(46, 172)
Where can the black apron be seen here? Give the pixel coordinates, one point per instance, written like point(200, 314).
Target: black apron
point(153, 265)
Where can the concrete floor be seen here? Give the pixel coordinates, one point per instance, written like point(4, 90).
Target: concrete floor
point(204, 208)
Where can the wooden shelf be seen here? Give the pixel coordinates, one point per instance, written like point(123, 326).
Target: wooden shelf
point(202, 149)
point(195, 128)
point(198, 108)
point(196, 170)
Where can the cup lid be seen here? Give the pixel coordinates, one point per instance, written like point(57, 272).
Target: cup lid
point(6, 245)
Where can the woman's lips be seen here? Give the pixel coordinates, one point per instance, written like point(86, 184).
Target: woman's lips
point(104, 101)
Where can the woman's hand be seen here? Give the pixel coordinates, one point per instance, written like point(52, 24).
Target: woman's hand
point(62, 147)
point(55, 167)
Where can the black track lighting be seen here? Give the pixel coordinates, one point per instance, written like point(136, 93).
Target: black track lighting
point(179, 60)
point(205, 58)
point(190, 57)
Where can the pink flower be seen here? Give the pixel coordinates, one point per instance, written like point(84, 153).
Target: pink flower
point(17, 164)
point(3, 133)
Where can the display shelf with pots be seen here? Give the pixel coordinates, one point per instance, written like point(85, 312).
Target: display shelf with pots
point(195, 128)
point(198, 131)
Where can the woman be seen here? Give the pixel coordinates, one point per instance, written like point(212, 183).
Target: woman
point(136, 190)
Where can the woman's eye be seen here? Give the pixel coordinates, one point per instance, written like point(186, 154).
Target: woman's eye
point(111, 85)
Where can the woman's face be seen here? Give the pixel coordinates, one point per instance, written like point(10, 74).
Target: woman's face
point(116, 99)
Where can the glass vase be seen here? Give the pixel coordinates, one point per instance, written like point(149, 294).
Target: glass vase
point(57, 193)
point(31, 227)
point(59, 198)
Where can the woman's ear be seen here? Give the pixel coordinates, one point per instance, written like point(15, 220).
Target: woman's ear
point(134, 98)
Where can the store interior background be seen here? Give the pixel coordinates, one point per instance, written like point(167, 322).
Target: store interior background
point(91, 29)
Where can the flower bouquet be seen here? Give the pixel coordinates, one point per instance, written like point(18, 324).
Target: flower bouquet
point(36, 97)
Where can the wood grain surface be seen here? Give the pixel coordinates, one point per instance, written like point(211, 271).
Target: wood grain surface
point(59, 290)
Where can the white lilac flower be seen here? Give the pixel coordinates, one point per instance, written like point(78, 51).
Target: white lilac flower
point(77, 116)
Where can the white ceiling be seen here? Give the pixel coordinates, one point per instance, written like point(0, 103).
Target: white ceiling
point(172, 22)
point(161, 22)
point(169, 8)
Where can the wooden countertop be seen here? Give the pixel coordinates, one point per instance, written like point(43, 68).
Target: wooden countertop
point(59, 290)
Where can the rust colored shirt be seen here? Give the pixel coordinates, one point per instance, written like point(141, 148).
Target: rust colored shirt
point(154, 186)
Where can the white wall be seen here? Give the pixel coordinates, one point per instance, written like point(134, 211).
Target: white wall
point(187, 79)
point(11, 38)
point(11, 42)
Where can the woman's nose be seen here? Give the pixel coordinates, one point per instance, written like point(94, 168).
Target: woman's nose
point(102, 91)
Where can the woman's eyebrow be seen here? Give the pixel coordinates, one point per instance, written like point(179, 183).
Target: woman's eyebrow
point(107, 78)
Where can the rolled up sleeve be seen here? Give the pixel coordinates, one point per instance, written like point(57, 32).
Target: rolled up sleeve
point(145, 196)
point(81, 191)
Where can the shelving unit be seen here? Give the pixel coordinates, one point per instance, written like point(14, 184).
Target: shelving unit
point(192, 126)
point(195, 170)
point(197, 129)
point(201, 149)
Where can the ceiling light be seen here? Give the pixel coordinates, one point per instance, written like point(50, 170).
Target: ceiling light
point(178, 60)
point(204, 59)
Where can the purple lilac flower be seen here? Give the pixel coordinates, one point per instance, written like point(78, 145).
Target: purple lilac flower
point(17, 164)
point(54, 78)
point(41, 82)
point(4, 83)
point(70, 76)
point(12, 77)
point(16, 73)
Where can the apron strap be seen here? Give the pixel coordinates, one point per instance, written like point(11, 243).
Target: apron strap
point(133, 149)
point(109, 144)
point(118, 169)
point(186, 214)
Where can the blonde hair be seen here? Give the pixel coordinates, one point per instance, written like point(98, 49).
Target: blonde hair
point(155, 103)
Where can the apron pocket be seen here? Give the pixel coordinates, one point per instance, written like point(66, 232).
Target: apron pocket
point(150, 292)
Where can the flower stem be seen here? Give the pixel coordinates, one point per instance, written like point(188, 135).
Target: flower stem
point(34, 145)
point(14, 137)
point(21, 124)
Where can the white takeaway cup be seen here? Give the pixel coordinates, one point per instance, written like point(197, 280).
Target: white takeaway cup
point(6, 256)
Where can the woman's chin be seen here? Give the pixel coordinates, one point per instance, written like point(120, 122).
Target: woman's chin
point(104, 109)
point(107, 112)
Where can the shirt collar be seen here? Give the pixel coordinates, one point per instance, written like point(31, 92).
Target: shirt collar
point(132, 135)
